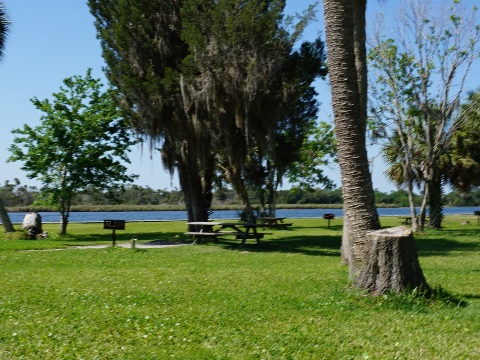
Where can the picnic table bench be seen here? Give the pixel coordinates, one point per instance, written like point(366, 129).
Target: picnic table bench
point(407, 220)
point(210, 229)
point(274, 222)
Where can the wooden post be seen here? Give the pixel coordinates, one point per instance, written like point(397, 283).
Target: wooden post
point(391, 262)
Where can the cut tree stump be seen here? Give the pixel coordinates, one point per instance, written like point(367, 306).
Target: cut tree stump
point(391, 262)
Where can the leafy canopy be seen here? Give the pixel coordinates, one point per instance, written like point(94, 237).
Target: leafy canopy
point(81, 143)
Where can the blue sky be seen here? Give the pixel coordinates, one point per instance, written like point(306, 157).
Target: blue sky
point(51, 40)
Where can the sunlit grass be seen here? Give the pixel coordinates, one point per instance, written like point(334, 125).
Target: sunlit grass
point(285, 298)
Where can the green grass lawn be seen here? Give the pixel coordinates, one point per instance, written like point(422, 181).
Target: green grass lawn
point(286, 298)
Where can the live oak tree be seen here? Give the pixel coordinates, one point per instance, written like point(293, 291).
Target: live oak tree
point(345, 32)
point(419, 78)
point(208, 82)
point(81, 143)
point(144, 51)
point(250, 89)
point(4, 26)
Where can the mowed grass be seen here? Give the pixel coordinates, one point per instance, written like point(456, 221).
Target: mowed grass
point(288, 297)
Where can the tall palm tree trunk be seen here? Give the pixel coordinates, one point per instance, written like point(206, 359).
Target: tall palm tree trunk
point(4, 25)
point(360, 214)
point(435, 199)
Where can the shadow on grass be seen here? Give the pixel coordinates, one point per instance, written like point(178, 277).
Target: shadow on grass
point(309, 245)
point(338, 227)
point(443, 246)
point(471, 296)
point(289, 242)
point(92, 238)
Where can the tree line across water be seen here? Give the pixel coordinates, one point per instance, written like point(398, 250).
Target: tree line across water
point(19, 196)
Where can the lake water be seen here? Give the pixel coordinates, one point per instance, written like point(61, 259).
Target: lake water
point(17, 217)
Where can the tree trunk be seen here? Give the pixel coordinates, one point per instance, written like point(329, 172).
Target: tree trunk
point(7, 224)
point(407, 170)
point(435, 200)
point(391, 263)
point(350, 125)
point(197, 191)
point(359, 10)
point(63, 223)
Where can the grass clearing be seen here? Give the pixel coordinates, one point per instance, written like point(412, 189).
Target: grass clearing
point(286, 298)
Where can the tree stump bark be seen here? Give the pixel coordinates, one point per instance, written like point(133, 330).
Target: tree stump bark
point(391, 262)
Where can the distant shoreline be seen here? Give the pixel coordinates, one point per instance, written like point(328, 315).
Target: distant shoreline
point(124, 208)
point(127, 208)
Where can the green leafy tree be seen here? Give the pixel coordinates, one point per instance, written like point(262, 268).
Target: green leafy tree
point(4, 26)
point(316, 152)
point(300, 146)
point(419, 77)
point(81, 143)
point(461, 164)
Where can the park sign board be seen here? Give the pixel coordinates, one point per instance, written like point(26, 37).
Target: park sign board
point(114, 224)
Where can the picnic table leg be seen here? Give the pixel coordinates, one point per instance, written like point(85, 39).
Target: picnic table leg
point(195, 241)
point(245, 236)
point(256, 234)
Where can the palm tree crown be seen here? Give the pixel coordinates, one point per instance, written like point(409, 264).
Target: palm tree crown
point(4, 26)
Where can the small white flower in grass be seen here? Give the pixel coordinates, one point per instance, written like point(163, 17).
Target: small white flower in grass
point(147, 317)
point(14, 334)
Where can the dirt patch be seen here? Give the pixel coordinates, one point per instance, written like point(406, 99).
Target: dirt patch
point(149, 245)
point(126, 245)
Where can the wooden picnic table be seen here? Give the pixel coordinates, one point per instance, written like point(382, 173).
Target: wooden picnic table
point(407, 220)
point(203, 229)
point(212, 229)
point(275, 222)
